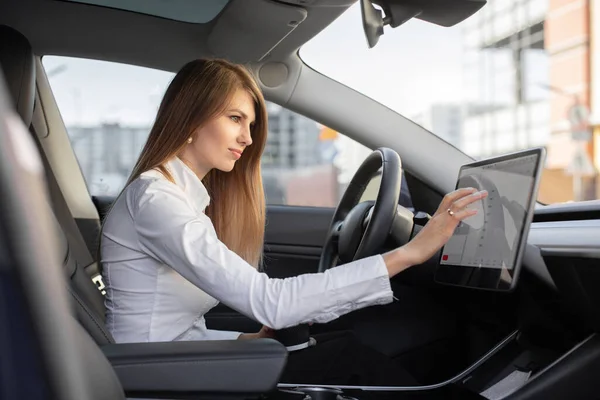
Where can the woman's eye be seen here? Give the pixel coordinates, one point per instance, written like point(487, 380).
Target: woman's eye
point(235, 118)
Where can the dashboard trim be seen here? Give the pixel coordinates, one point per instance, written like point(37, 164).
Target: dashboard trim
point(577, 238)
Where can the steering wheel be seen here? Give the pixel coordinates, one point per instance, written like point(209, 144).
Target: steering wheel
point(359, 230)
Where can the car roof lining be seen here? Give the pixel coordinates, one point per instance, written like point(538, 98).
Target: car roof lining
point(82, 30)
point(197, 12)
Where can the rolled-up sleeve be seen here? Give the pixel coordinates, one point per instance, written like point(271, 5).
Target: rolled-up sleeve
point(171, 231)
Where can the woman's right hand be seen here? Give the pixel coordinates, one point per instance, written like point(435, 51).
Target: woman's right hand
point(437, 231)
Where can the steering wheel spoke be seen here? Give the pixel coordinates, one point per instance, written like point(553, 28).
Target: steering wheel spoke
point(359, 230)
point(367, 218)
point(335, 231)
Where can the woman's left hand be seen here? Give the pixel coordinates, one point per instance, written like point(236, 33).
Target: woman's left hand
point(264, 333)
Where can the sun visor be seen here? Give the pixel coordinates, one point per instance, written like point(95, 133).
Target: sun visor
point(246, 31)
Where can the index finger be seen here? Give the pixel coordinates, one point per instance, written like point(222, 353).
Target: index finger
point(457, 194)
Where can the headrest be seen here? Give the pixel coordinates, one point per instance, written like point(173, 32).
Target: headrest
point(17, 63)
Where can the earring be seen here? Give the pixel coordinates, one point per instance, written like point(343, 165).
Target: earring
point(189, 140)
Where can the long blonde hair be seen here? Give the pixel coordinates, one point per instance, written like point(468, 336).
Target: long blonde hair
point(200, 91)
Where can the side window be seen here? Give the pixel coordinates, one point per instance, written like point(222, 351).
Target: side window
point(108, 109)
point(305, 163)
point(108, 119)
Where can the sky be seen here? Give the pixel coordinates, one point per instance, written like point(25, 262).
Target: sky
point(412, 67)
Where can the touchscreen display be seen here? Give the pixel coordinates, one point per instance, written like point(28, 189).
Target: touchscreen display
point(492, 237)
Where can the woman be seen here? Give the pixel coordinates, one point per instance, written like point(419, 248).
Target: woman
point(187, 232)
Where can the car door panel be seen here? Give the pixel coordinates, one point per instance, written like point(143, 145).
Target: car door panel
point(293, 241)
point(294, 237)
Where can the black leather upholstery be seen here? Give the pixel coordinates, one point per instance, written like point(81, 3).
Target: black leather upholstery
point(16, 58)
point(87, 300)
point(103, 381)
point(173, 369)
point(52, 356)
point(17, 62)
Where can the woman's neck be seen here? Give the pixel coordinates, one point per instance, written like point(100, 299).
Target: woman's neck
point(192, 167)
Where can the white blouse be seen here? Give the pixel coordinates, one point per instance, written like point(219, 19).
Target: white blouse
point(164, 268)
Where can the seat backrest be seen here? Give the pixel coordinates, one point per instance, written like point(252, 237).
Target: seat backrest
point(17, 60)
point(45, 353)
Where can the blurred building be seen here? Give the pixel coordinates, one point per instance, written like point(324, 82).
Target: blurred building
point(525, 64)
point(107, 154)
point(594, 51)
point(293, 140)
point(506, 78)
point(297, 165)
point(571, 148)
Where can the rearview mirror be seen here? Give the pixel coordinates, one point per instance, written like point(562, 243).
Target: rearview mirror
point(396, 12)
point(372, 22)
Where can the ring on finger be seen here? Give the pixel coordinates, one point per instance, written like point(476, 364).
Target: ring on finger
point(450, 212)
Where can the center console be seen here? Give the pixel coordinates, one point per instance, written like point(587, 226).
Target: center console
point(512, 370)
point(450, 389)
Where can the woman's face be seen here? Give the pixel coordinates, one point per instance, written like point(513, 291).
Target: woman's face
point(221, 141)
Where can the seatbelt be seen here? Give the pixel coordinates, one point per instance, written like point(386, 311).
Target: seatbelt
point(61, 209)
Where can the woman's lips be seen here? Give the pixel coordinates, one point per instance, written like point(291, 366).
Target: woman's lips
point(236, 153)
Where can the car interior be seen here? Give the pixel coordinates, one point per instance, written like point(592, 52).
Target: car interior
point(536, 342)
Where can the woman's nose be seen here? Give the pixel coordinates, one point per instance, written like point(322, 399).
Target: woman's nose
point(246, 137)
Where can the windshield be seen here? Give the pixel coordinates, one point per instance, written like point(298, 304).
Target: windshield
point(515, 75)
